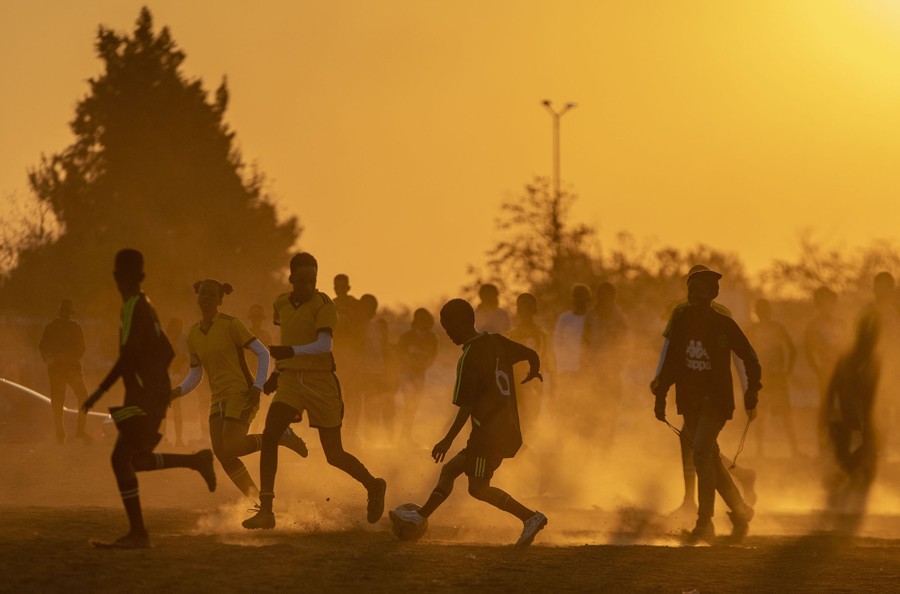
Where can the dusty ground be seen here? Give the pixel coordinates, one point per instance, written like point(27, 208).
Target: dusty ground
point(54, 500)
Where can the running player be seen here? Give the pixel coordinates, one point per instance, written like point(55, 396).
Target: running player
point(306, 381)
point(216, 343)
point(485, 391)
point(144, 356)
point(697, 361)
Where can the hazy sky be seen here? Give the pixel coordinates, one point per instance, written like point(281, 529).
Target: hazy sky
point(395, 128)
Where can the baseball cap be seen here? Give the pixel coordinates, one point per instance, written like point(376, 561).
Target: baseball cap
point(700, 269)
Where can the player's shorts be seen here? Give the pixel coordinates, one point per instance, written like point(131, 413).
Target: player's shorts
point(238, 407)
point(316, 392)
point(137, 427)
point(480, 466)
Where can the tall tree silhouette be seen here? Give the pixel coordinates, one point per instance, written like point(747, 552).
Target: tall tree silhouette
point(153, 166)
point(540, 249)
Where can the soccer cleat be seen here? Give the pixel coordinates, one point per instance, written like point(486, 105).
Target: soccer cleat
point(375, 505)
point(292, 441)
point(533, 525)
point(203, 463)
point(740, 522)
point(132, 540)
point(264, 519)
point(703, 531)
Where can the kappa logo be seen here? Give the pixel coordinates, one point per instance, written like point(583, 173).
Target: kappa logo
point(697, 357)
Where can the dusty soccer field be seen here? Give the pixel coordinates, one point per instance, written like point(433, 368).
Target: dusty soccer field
point(55, 500)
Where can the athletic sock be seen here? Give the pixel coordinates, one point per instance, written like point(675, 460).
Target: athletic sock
point(434, 501)
point(265, 501)
point(161, 461)
point(132, 502)
point(240, 476)
point(511, 506)
point(252, 444)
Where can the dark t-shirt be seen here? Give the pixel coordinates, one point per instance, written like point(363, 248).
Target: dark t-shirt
point(144, 357)
point(485, 382)
point(62, 344)
point(698, 359)
point(416, 350)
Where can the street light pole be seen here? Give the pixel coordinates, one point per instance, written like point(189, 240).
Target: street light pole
point(556, 115)
point(556, 230)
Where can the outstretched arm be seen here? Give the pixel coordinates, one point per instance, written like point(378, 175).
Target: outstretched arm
point(321, 345)
point(442, 447)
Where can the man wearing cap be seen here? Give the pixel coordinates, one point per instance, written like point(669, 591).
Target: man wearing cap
point(697, 361)
point(62, 346)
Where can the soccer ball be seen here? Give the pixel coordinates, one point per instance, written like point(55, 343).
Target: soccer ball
point(406, 530)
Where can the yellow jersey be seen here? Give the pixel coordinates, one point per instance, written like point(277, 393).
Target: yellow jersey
point(300, 324)
point(221, 352)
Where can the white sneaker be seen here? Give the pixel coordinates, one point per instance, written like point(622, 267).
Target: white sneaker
point(533, 525)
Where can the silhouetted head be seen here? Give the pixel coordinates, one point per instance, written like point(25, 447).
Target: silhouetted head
point(128, 270)
point(605, 295)
point(66, 309)
point(884, 287)
point(763, 310)
point(458, 320)
point(304, 272)
point(256, 314)
point(825, 299)
point(489, 295)
point(368, 305)
point(341, 285)
point(581, 298)
point(422, 320)
point(526, 307)
point(174, 328)
point(703, 285)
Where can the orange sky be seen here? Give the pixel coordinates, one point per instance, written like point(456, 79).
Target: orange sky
point(395, 128)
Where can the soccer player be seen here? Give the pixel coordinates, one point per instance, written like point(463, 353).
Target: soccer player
point(62, 346)
point(776, 355)
point(697, 361)
point(851, 426)
point(485, 392)
point(216, 343)
point(416, 352)
point(306, 381)
point(144, 356)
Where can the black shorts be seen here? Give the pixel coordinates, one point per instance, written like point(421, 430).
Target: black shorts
point(137, 427)
point(478, 466)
